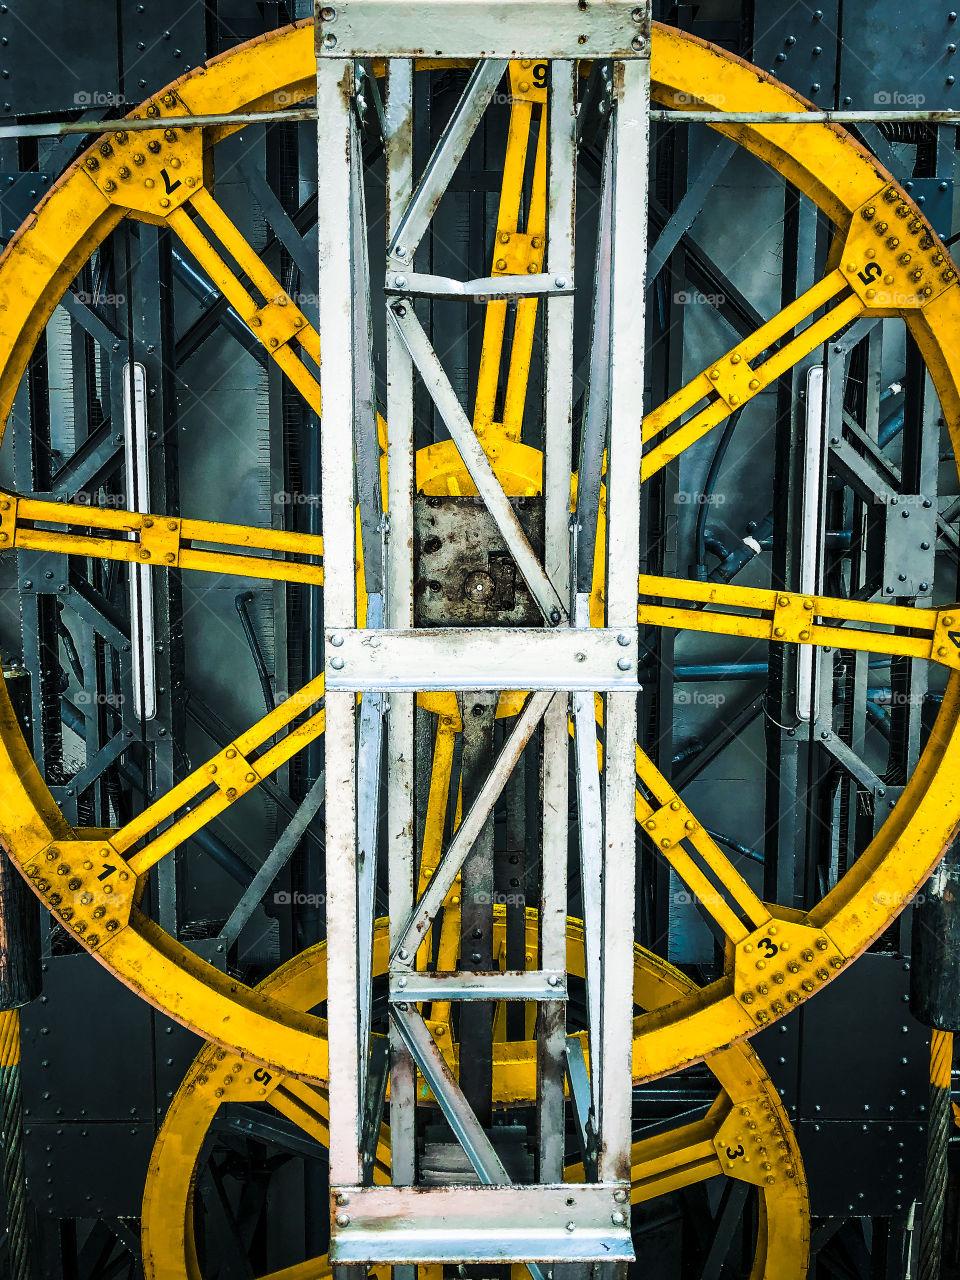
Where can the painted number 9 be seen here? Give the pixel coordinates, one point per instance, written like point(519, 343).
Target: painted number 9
point(540, 75)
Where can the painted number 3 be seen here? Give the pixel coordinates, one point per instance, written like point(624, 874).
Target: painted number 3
point(768, 948)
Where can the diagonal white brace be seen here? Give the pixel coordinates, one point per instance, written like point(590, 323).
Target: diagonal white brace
point(469, 1133)
point(467, 833)
point(447, 154)
point(465, 1125)
point(475, 460)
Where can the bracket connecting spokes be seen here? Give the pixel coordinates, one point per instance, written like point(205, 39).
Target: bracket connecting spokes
point(83, 892)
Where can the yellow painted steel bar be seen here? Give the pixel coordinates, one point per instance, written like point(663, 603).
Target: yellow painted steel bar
point(232, 772)
point(160, 541)
point(274, 325)
point(515, 252)
point(749, 384)
point(692, 392)
point(673, 821)
point(794, 619)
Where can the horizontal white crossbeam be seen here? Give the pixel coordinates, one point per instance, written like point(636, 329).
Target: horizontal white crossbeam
point(482, 29)
point(484, 289)
point(525, 984)
point(565, 1223)
point(482, 658)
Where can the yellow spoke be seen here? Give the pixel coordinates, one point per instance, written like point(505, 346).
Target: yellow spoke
point(732, 381)
point(668, 1161)
point(448, 948)
point(276, 322)
point(448, 952)
point(515, 252)
point(309, 1109)
point(673, 1160)
point(225, 778)
point(932, 634)
point(305, 1107)
point(437, 800)
point(164, 541)
point(670, 824)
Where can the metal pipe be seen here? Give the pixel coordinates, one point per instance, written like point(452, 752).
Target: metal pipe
point(136, 453)
point(253, 644)
point(811, 550)
point(891, 427)
point(714, 671)
point(933, 116)
point(209, 297)
point(63, 128)
point(735, 845)
point(700, 535)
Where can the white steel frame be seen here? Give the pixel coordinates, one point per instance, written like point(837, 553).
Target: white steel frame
point(495, 1221)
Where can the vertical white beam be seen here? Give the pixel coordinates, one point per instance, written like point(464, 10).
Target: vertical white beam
point(398, 144)
point(558, 443)
point(558, 337)
point(334, 90)
point(631, 94)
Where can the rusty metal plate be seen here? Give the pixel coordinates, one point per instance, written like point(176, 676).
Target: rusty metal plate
point(464, 575)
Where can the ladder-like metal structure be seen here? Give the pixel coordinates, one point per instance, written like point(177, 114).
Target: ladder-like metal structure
point(562, 664)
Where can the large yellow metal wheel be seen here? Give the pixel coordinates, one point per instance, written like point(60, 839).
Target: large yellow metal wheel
point(775, 959)
point(745, 1135)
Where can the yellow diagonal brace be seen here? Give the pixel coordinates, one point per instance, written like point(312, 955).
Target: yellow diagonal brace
point(671, 825)
point(733, 381)
point(268, 322)
point(236, 769)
